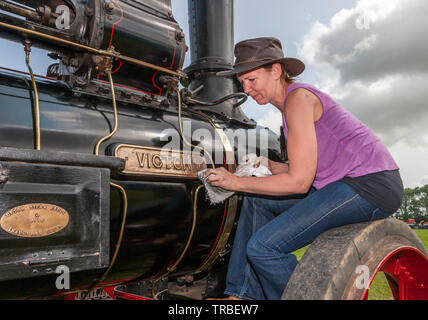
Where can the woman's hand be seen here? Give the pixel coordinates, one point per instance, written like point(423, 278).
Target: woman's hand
point(222, 178)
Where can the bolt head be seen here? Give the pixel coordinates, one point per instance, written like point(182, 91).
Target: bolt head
point(110, 6)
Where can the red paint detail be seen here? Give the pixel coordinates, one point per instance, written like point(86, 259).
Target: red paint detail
point(169, 36)
point(154, 75)
point(222, 222)
point(112, 28)
point(109, 45)
point(395, 264)
point(153, 81)
point(219, 233)
point(120, 65)
point(108, 290)
point(27, 73)
point(129, 296)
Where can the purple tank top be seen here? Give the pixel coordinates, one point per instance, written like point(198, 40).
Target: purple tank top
point(346, 147)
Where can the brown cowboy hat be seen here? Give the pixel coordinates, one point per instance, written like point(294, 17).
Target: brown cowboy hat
point(255, 53)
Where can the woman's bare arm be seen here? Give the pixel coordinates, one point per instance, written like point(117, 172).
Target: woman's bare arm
point(301, 150)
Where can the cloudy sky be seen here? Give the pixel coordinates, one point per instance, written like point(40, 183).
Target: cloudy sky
point(370, 55)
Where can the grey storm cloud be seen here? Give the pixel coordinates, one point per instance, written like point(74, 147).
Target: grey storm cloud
point(374, 61)
point(394, 44)
point(397, 113)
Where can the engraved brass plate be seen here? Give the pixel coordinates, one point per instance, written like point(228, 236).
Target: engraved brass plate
point(34, 220)
point(152, 161)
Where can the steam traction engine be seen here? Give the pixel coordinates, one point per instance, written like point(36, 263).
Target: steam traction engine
point(99, 160)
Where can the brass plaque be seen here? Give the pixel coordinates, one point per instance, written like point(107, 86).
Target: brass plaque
point(34, 220)
point(157, 162)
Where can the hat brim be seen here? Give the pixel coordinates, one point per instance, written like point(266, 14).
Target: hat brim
point(293, 66)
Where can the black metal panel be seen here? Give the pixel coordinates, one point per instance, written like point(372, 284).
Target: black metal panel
point(82, 245)
point(144, 30)
point(62, 158)
point(159, 212)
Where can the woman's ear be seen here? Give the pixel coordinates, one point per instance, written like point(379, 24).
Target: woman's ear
point(277, 70)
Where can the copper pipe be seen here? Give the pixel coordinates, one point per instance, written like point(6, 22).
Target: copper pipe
point(97, 146)
point(120, 188)
point(27, 48)
point(19, 10)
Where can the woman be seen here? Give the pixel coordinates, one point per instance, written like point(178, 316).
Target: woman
point(340, 169)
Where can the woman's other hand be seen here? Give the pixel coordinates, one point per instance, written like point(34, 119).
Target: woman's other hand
point(222, 178)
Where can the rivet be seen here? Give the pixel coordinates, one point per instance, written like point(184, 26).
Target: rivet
point(110, 6)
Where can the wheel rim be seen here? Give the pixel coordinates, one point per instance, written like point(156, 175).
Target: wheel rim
point(406, 270)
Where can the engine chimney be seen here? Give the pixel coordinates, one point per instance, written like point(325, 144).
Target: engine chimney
point(212, 45)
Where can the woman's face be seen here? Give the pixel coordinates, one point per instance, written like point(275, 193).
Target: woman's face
point(260, 84)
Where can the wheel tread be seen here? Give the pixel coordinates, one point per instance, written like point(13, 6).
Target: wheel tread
point(328, 265)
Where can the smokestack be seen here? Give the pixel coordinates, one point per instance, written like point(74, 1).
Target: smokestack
point(211, 34)
point(212, 46)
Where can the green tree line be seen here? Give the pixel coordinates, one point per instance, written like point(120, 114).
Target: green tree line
point(414, 205)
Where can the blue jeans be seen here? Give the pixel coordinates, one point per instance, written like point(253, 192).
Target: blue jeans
point(270, 228)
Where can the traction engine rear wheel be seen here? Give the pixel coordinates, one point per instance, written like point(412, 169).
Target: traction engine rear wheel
point(342, 263)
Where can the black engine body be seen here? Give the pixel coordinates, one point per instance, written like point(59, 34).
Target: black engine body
point(70, 213)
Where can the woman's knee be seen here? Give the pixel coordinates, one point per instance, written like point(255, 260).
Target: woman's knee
point(263, 256)
point(257, 251)
point(254, 251)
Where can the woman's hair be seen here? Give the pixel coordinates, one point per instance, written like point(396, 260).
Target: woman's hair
point(284, 74)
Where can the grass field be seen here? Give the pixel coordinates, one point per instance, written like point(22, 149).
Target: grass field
point(379, 290)
point(423, 234)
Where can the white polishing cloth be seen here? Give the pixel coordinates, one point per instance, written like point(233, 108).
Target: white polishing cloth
point(251, 165)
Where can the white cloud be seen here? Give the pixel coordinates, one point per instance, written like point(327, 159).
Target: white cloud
point(424, 180)
point(413, 164)
point(372, 59)
point(272, 119)
point(381, 73)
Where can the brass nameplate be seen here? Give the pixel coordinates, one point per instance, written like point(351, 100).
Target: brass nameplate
point(34, 220)
point(152, 161)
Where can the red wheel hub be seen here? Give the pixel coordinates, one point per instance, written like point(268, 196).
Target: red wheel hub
point(407, 272)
